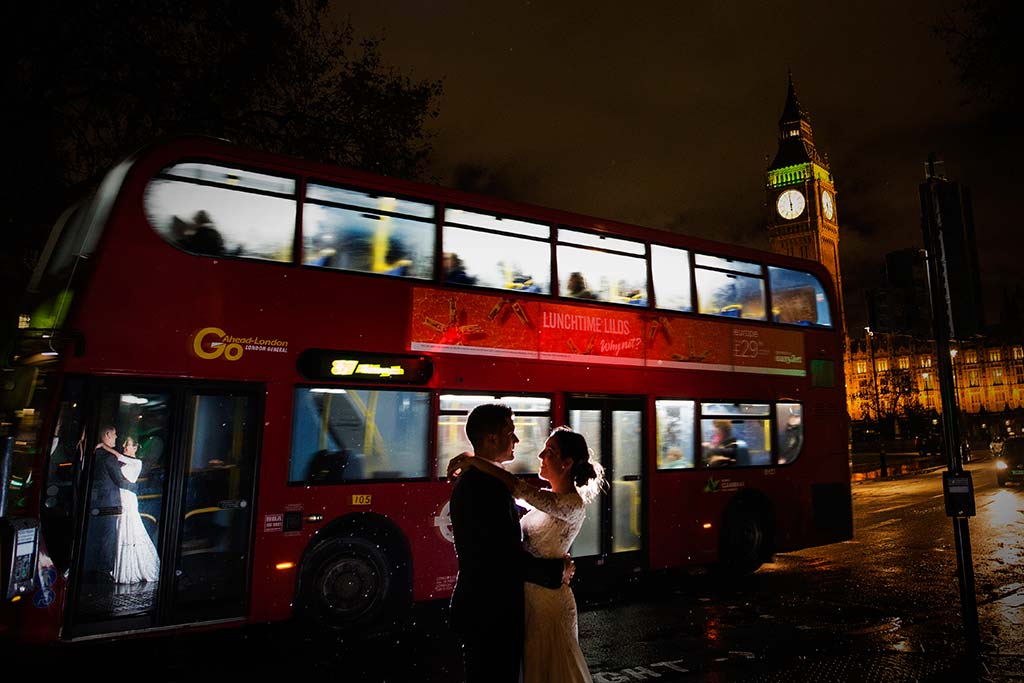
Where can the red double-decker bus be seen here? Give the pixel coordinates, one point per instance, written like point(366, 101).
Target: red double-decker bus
point(291, 350)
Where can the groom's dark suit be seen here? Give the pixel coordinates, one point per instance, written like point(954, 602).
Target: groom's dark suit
point(487, 605)
point(104, 510)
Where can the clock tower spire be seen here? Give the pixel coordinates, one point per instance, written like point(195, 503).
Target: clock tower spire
point(803, 218)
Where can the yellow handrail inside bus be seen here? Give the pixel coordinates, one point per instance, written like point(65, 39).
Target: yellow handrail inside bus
point(199, 511)
point(372, 433)
point(382, 238)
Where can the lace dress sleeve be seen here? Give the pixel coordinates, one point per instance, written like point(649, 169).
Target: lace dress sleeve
point(131, 468)
point(565, 506)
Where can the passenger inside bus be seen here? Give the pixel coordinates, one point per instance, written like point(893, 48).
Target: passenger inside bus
point(674, 459)
point(199, 235)
point(577, 287)
point(792, 438)
point(455, 270)
point(724, 449)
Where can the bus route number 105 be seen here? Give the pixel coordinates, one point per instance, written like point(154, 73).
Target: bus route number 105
point(360, 498)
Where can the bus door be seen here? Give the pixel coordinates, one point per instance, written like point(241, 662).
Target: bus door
point(166, 506)
point(614, 529)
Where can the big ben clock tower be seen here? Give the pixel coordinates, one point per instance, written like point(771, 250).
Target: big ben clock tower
point(804, 220)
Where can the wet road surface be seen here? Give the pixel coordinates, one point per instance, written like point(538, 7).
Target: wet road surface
point(884, 606)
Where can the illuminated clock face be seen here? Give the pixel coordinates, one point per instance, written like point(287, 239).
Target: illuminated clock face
point(790, 204)
point(826, 204)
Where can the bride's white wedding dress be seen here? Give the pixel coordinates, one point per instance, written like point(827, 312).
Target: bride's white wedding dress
point(551, 652)
point(136, 558)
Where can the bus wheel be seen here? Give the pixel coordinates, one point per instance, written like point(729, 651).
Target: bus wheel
point(745, 538)
point(349, 585)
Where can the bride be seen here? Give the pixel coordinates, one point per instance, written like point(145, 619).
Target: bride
point(552, 650)
point(136, 559)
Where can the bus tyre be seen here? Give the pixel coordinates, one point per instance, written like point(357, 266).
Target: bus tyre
point(745, 538)
point(349, 585)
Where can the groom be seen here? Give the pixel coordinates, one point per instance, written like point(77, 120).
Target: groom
point(487, 604)
point(104, 506)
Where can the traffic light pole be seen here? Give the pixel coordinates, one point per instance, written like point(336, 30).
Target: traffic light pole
point(957, 483)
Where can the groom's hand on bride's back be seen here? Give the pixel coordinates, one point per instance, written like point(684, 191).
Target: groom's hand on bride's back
point(568, 569)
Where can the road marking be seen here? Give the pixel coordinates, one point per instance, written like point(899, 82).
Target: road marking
point(639, 673)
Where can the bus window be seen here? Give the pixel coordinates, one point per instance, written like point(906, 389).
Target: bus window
point(798, 298)
point(670, 269)
point(353, 230)
point(735, 434)
point(531, 415)
point(341, 435)
point(602, 276)
point(219, 211)
point(511, 254)
point(789, 427)
point(675, 434)
point(731, 288)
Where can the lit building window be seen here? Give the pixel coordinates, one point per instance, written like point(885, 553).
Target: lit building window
point(862, 367)
point(1018, 352)
point(997, 375)
point(995, 355)
point(926, 361)
point(903, 362)
point(972, 378)
point(971, 357)
point(882, 365)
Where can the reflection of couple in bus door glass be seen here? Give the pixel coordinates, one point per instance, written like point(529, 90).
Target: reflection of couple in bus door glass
point(127, 554)
point(512, 606)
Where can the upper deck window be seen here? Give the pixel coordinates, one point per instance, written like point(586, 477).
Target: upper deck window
point(492, 251)
point(730, 288)
point(366, 232)
point(601, 268)
point(670, 269)
point(219, 211)
point(798, 297)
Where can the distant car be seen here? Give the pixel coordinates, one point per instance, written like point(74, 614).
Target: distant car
point(1010, 461)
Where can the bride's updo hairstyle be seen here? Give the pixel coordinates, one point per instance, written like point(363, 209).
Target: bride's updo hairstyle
point(587, 475)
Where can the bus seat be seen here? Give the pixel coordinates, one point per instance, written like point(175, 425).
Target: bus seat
point(742, 453)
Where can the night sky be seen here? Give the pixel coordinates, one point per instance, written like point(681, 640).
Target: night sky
point(665, 114)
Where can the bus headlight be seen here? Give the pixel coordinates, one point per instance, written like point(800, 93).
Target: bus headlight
point(1000, 464)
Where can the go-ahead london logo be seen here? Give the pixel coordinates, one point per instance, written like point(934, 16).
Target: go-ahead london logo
point(212, 343)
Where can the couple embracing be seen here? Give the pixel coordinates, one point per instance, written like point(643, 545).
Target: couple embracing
point(512, 606)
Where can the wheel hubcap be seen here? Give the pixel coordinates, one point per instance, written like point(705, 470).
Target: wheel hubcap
point(351, 586)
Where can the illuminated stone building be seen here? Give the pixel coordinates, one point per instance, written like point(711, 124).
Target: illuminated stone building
point(989, 376)
point(891, 370)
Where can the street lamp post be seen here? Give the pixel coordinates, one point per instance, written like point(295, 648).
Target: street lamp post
point(882, 465)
